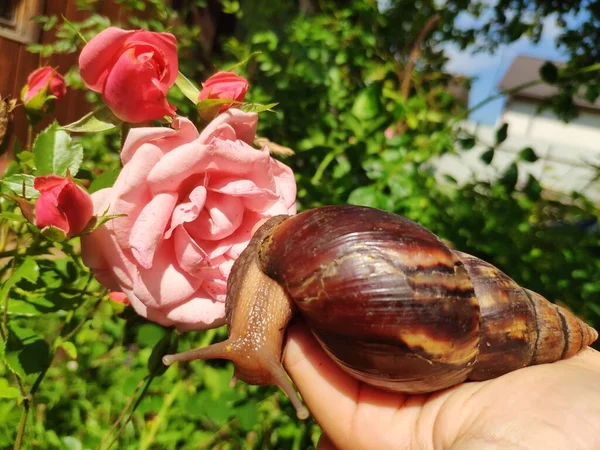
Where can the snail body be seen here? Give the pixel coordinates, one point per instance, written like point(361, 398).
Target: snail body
point(388, 301)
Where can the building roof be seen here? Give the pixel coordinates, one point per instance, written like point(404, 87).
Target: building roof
point(526, 68)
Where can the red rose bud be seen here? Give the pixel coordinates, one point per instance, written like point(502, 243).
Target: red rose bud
point(41, 84)
point(224, 85)
point(63, 209)
point(119, 297)
point(133, 70)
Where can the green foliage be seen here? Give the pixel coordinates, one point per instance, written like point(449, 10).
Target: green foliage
point(56, 153)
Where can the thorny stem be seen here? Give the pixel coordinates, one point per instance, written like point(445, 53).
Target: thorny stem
point(29, 137)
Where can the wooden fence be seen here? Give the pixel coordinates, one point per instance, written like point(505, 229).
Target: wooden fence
point(16, 63)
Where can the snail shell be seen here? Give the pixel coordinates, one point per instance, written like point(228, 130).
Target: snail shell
point(389, 302)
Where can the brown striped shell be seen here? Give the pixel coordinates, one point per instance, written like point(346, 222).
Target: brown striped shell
point(388, 301)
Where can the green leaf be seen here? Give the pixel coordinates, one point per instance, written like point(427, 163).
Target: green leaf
point(467, 143)
point(105, 180)
point(166, 345)
point(71, 443)
point(247, 415)
point(187, 88)
point(257, 107)
point(367, 104)
point(30, 306)
point(54, 234)
point(364, 196)
point(501, 133)
point(487, 156)
point(28, 270)
point(528, 155)
point(7, 391)
point(26, 352)
point(95, 122)
point(549, 72)
point(69, 349)
point(510, 177)
point(55, 152)
point(21, 184)
point(243, 62)
point(12, 216)
point(148, 334)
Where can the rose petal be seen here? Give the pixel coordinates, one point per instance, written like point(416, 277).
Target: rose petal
point(243, 123)
point(149, 227)
point(191, 257)
point(147, 101)
point(198, 312)
point(188, 212)
point(165, 283)
point(221, 217)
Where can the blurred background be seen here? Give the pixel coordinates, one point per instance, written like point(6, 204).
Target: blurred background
point(478, 119)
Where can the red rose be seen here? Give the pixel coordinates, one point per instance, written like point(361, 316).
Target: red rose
point(224, 85)
point(44, 80)
point(62, 205)
point(133, 70)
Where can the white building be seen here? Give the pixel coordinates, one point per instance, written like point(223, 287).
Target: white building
point(569, 153)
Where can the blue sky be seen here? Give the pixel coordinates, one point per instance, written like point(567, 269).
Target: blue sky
point(488, 69)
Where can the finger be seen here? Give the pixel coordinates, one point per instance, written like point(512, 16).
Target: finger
point(346, 409)
point(329, 393)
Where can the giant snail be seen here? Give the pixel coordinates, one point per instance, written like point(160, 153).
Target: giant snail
point(388, 301)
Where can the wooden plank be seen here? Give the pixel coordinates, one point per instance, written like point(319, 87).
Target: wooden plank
point(9, 51)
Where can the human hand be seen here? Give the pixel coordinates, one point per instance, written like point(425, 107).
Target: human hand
point(550, 406)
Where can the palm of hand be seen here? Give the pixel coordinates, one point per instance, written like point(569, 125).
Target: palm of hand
point(551, 406)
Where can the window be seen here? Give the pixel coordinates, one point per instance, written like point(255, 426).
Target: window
point(16, 20)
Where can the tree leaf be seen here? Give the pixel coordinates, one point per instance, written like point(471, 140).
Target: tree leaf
point(105, 180)
point(501, 133)
point(69, 349)
point(26, 352)
point(187, 88)
point(528, 155)
point(55, 152)
point(7, 391)
point(94, 122)
point(487, 156)
point(367, 104)
point(510, 177)
point(247, 415)
point(549, 72)
point(364, 196)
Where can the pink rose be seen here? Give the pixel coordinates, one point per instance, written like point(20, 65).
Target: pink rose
point(133, 70)
point(62, 205)
point(224, 85)
point(44, 79)
point(191, 201)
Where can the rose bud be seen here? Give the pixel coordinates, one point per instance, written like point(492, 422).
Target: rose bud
point(223, 85)
point(133, 70)
point(42, 83)
point(63, 209)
